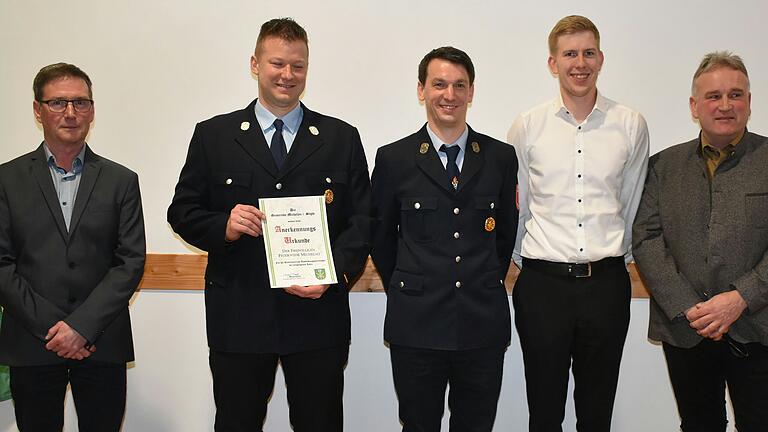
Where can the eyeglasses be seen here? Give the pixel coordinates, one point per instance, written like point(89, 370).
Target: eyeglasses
point(60, 105)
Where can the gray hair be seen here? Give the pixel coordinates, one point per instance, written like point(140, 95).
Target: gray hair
point(717, 60)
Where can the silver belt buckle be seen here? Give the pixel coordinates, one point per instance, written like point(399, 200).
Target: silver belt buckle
point(589, 271)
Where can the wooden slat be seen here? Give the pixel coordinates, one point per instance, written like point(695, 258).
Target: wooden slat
point(186, 272)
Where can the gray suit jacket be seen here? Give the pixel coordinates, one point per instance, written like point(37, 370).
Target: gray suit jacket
point(692, 241)
point(84, 277)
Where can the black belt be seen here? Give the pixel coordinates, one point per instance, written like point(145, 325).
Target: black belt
point(579, 270)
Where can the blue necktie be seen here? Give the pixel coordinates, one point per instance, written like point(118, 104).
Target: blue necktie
point(451, 168)
point(278, 144)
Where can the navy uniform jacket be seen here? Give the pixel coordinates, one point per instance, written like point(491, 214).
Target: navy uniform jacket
point(230, 163)
point(443, 254)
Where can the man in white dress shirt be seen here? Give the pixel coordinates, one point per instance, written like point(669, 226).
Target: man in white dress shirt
point(583, 161)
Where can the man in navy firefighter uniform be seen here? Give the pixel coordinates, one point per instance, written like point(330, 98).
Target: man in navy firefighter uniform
point(444, 202)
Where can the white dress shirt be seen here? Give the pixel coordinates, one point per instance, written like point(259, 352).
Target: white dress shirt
point(579, 182)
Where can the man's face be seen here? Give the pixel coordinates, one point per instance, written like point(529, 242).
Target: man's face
point(576, 63)
point(446, 93)
point(282, 70)
point(68, 128)
point(721, 104)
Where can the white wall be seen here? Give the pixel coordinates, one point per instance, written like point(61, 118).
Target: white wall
point(159, 66)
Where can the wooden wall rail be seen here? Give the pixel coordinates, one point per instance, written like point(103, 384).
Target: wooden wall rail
point(186, 272)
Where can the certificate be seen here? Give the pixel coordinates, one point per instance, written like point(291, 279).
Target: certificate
point(296, 241)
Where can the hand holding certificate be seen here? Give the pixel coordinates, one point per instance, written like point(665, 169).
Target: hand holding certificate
point(296, 241)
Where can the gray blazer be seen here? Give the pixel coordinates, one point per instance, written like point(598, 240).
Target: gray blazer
point(84, 277)
point(692, 241)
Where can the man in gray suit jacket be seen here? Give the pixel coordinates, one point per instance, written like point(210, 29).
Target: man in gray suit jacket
point(71, 255)
point(701, 242)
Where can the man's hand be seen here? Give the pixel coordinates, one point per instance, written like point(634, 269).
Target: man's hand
point(243, 219)
point(67, 343)
point(714, 317)
point(311, 291)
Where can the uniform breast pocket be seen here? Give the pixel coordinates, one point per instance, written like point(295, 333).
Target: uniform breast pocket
point(419, 218)
point(229, 189)
point(331, 184)
point(485, 213)
point(756, 207)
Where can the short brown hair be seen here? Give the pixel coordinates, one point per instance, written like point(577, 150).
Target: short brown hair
point(717, 60)
point(570, 25)
point(57, 71)
point(449, 54)
point(283, 28)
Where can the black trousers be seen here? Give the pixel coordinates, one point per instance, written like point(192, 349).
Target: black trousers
point(314, 380)
point(421, 375)
point(699, 376)
point(98, 391)
point(565, 322)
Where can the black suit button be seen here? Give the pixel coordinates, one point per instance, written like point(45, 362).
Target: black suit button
point(72, 264)
point(72, 300)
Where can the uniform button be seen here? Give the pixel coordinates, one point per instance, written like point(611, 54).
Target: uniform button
point(279, 186)
point(417, 206)
point(229, 181)
point(456, 210)
point(579, 176)
point(493, 205)
point(579, 199)
point(458, 258)
point(581, 249)
point(579, 127)
point(579, 151)
point(328, 180)
point(458, 284)
point(456, 235)
point(72, 265)
point(402, 284)
point(579, 225)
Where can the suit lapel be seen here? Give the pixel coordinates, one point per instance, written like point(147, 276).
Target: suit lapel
point(91, 171)
point(694, 188)
point(42, 175)
point(249, 135)
point(473, 159)
point(428, 160)
point(309, 139)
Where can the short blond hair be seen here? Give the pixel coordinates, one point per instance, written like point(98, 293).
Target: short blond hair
point(570, 25)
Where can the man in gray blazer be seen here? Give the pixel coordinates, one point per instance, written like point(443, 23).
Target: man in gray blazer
point(71, 255)
point(701, 243)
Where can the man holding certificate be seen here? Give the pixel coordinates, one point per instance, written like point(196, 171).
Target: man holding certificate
point(276, 148)
point(444, 200)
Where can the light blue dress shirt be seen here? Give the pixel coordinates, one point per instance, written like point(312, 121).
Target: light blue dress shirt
point(291, 121)
point(66, 182)
point(461, 141)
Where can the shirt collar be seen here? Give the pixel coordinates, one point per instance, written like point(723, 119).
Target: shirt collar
point(705, 142)
point(461, 141)
point(291, 121)
point(77, 164)
point(601, 104)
